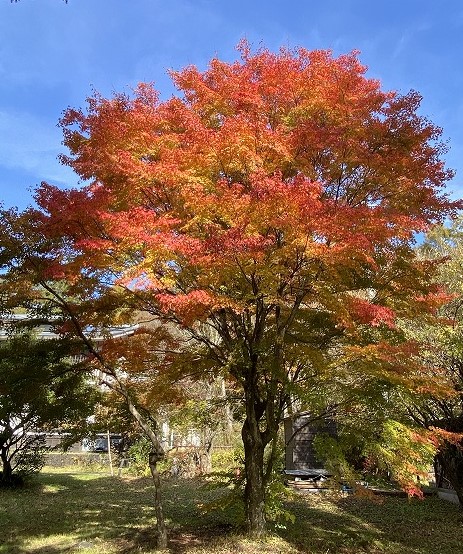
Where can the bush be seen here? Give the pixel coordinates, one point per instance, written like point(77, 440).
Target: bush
point(31, 459)
point(138, 454)
point(226, 459)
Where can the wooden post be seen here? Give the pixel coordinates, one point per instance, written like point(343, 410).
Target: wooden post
point(109, 455)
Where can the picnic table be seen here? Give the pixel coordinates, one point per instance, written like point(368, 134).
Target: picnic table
point(306, 478)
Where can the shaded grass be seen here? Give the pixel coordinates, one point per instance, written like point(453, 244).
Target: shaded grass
point(90, 513)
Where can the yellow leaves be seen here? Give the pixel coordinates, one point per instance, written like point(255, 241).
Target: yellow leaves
point(407, 453)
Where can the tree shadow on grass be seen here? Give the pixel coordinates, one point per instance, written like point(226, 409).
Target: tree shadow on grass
point(63, 512)
point(94, 513)
point(394, 525)
point(331, 524)
point(74, 509)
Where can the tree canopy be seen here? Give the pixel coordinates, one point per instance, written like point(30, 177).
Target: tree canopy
point(40, 389)
point(267, 214)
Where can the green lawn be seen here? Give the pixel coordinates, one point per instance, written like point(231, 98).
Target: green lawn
point(90, 513)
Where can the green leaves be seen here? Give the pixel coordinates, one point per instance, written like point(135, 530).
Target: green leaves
point(40, 389)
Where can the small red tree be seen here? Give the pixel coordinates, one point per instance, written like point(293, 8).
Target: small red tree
point(269, 212)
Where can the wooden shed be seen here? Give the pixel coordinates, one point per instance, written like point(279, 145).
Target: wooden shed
point(300, 431)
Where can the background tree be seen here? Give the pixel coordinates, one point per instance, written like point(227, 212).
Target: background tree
point(200, 419)
point(121, 361)
point(268, 214)
point(40, 389)
point(442, 350)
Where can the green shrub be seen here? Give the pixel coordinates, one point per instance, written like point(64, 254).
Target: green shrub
point(138, 455)
point(226, 459)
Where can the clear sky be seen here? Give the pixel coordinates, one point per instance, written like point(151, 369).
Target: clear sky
point(52, 55)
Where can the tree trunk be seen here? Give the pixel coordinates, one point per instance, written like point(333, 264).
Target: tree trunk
point(254, 491)
point(451, 459)
point(204, 459)
point(161, 526)
point(115, 383)
point(154, 457)
point(227, 415)
point(7, 471)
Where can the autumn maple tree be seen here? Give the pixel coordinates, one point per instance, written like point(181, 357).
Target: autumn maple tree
point(441, 340)
point(267, 212)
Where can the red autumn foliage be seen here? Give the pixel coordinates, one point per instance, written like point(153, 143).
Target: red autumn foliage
point(276, 199)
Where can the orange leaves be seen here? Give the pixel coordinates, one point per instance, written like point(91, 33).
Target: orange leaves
point(441, 437)
point(274, 161)
point(399, 364)
point(287, 177)
point(192, 306)
point(435, 299)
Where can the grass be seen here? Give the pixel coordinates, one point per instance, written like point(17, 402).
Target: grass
point(92, 513)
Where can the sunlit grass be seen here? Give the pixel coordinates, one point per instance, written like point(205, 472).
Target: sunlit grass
point(91, 513)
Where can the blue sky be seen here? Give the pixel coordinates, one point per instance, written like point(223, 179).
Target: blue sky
point(53, 54)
